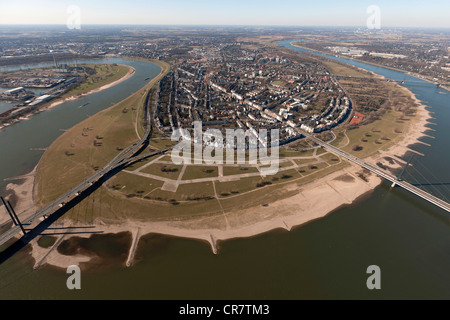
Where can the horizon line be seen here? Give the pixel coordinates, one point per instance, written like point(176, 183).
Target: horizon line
point(225, 25)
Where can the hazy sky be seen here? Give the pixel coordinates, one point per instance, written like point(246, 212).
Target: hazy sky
point(430, 13)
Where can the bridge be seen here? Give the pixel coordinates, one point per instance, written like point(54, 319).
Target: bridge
point(381, 173)
point(391, 80)
point(126, 157)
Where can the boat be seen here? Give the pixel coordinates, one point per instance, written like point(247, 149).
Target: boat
point(83, 105)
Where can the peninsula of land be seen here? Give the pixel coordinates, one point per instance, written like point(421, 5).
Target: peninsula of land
point(216, 203)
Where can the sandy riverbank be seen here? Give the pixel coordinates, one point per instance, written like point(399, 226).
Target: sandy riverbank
point(339, 188)
point(20, 193)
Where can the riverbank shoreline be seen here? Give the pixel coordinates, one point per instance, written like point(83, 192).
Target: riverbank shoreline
point(413, 74)
point(20, 193)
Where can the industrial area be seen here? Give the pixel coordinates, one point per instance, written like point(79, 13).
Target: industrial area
point(26, 90)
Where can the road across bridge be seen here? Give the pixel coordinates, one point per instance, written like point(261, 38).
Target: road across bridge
point(395, 181)
point(124, 158)
point(390, 80)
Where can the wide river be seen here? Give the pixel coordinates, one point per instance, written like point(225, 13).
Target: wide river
point(406, 237)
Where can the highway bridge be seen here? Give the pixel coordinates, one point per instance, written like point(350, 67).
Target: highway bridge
point(381, 173)
point(390, 80)
point(124, 158)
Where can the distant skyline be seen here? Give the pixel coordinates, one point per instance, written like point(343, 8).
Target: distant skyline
point(400, 13)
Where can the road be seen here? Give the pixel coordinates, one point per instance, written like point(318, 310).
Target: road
point(381, 173)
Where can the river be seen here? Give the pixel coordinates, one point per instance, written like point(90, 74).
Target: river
point(43, 128)
point(327, 258)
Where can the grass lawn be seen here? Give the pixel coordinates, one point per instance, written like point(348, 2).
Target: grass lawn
point(225, 189)
point(141, 163)
point(192, 191)
point(293, 153)
point(169, 171)
point(313, 168)
point(232, 170)
point(132, 185)
point(103, 75)
point(197, 172)
point(381, 133)
point(330, 158)
point(284, 176)
point(304, 161)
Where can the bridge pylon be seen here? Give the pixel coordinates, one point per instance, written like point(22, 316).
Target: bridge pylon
point(13, 214)
point(402, 172)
